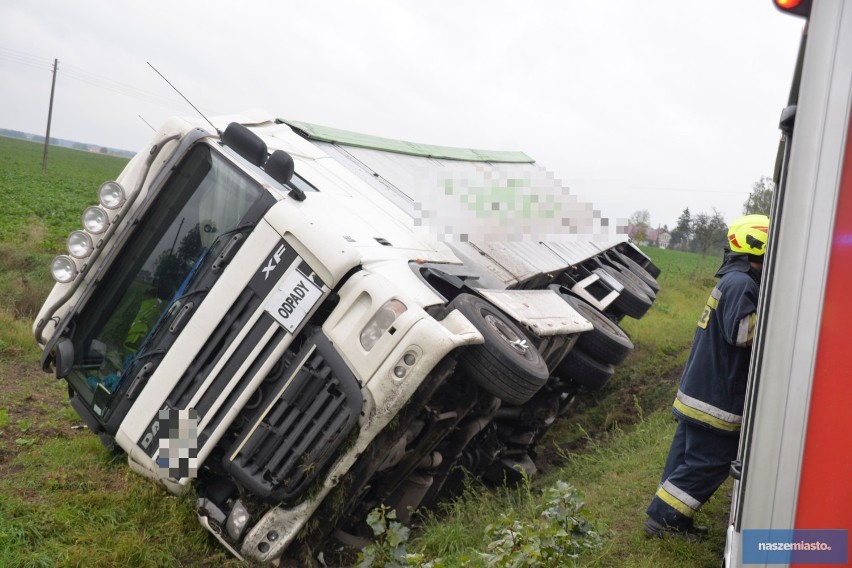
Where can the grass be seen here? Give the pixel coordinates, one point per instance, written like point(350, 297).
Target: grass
point(66, 501)
point(69, 503)
point(54, 201)
point(37, 212)
point(618, 476)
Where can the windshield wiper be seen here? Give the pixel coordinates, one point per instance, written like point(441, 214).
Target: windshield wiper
point(142, 356)
point(167, 313)
point(225, 256)
point(181, 295)
point(196, 267)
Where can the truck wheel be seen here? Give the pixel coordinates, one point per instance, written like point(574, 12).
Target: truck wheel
point(585, 370)
point(606, 342)
point(507, 365)
point(632, 301)
point(628, 275)
point(638, 271)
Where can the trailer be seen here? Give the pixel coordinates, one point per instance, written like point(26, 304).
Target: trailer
point(301, 324)
point(791, 502)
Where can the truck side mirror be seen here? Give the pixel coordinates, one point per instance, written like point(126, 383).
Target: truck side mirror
point(63, 357)
point(245, 143)
point(788, 119)
point(280, 166)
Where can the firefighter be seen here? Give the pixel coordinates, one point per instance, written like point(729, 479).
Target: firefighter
point(709, 402)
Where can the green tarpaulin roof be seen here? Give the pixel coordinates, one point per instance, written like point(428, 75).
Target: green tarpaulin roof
point(347, 138)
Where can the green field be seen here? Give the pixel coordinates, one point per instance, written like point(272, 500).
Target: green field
point(66, 501)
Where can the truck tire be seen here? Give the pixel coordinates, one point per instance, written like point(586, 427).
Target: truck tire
point(641, 259)
point(607, 342)
point(638, 271)
point(585, 370)
point(632, 301)
point(507, 365)
point(628, 275)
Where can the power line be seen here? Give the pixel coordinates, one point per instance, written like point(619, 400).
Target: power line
point(24, 57)
point(25, 62)
point(89, 78)
point(124, 90)
point(688, 190)
point(624, 187)
point(106, 82)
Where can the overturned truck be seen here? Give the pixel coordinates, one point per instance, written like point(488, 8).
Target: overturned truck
point(302, 323)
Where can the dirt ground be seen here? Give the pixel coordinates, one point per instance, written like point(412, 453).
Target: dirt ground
point(33, 409)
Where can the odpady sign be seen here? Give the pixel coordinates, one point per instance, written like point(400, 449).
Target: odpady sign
point(294, 299)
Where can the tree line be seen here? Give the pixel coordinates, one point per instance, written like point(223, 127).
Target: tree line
point(706, 232)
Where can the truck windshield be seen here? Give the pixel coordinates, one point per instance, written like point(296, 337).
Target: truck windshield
point(199, 207)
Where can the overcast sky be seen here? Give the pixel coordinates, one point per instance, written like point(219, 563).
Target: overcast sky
point(656, 105)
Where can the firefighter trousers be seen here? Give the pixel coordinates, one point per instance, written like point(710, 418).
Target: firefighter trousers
point(698, 463)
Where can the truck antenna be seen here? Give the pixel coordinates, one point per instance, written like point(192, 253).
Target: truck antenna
point(146, 122)
point(219, 132)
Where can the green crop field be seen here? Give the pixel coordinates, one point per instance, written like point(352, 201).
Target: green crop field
point(66, 501)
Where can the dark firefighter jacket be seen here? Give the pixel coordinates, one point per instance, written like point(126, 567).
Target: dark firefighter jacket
point(712, 388)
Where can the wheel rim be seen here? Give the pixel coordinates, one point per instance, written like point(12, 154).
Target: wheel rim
point(517, 343)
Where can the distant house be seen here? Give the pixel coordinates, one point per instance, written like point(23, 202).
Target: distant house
point(649, 237)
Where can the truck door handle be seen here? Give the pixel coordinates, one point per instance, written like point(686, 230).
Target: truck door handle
point(737, 469)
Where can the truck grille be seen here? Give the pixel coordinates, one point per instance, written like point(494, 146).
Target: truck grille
point(218, 343)
point(292, 438)
point(235, 338)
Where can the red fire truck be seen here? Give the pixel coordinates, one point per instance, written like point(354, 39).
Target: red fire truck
point(794, 466)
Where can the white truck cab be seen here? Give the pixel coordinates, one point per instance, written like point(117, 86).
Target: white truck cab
point(269, 312)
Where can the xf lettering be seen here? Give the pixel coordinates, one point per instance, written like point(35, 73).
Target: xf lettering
point(273, 262)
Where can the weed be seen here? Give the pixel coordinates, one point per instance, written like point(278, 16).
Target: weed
point(388, 550)
point(639, 413)
point(558, 537)
point(16, 337)
point(585, 434)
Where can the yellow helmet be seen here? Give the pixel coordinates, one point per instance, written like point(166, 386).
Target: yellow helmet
point(749, 234)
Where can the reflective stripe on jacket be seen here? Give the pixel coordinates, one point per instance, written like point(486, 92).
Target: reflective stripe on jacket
point(712, 388)
point(707, 414)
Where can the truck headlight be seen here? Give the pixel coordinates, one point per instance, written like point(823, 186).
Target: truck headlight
point(111, 195)
point(381, 322)
point(80, 244)
point(237, 521)
point(63, 269)
point(95, 220)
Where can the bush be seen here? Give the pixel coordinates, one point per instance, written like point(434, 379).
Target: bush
point(557, 538)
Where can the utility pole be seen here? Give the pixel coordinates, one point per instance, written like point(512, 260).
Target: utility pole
point(49, 115)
